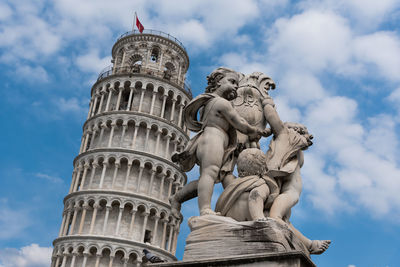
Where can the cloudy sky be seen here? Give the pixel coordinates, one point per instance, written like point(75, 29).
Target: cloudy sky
point(337, 68)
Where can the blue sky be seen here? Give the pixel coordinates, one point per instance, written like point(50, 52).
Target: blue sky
point(337, 68)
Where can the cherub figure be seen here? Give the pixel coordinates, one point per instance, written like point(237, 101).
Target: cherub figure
point(212, 148)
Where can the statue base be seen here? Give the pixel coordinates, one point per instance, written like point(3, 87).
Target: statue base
point(217, 236)
point(283, 259)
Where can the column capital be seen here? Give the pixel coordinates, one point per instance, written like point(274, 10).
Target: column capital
point(117, 164)
point(95, 165)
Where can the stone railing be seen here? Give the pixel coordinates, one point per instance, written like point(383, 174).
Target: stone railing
point(154, 32)
point(166, 75)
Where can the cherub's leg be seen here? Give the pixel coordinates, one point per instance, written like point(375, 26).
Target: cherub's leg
point(206, 187)
point(210, 161)
point(188, 192)
point(256, 201)
point(290, 194)
point(314, 246)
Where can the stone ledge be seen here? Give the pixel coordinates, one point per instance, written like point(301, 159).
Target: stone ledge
point(282, 259)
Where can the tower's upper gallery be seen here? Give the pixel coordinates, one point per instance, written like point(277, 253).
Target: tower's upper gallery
point(151, 52)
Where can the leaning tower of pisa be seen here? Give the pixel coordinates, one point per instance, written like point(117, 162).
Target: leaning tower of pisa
point(118, 204)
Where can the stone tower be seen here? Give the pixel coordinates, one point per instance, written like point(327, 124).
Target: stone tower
point(123, 176)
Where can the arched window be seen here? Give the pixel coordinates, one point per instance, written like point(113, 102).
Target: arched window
point(155, 53)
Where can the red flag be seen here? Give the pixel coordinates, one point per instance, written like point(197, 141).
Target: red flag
point(139, 25)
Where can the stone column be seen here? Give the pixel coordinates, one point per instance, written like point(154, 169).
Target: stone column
point(166, 153)
point(62, 223)
point(117, 166)
point(71, 188)
point(105, 165)
point(94, 167)
point(108, 99)
point(173, 109)
point(85, 257)
point(77, 178)
point(110, 263)
point(121, 210)
point(86, 167)
point(156, 219)
point(119, 99)
point(85, 141)
point(170, 180)
point(153, 172)
point(181, 105)
point(82, 223)
point(90, 109)
point(95, 129)
point(153, 99)
point(101, 102)
point(131, 232)
point(175, 239)
point(128, 172)
point(76, 209)
point(98, 257)
point(146, 141)
point(141, 167)
point(64, 260)
point(66, 225)
point(108, 208)
point(141, 99)
point(146, 216)
point(163, 105)
point(163, 175)
point(134, 136)
point(74, 254)
point(103, 126)
point(128, 108)
point(159, 132)
point(57, 260)
point(124, 126)
point(96, 206)
point(94, 105)
point(164, 233)
point(113, 124)
point(171, 231)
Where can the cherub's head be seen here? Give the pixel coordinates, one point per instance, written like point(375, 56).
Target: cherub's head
point(224, 82)
point(251, 161)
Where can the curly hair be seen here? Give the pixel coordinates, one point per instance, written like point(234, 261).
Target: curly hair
point(215, 76)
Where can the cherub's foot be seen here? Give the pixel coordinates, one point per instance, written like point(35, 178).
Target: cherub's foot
point(175, 207)
point(208, 211)
point(319, 246)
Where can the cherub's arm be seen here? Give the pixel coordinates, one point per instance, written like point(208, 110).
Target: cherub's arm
point(272, 116)
point(234, 118)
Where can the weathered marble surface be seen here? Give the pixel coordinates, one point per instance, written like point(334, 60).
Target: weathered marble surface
point(279, 259)
point(217, 236)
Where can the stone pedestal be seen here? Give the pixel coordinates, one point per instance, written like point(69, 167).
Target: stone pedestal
point(281, 259)
point(218, 236)
point(222, 241)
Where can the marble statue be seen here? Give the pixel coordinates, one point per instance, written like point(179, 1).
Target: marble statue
point(234, 113)
point(216, 140)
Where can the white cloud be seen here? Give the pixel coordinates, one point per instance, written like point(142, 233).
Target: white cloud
point(12, 221)
point(32, 74)
point(51, 178)
point(28, 256)
point(73, 105)
point(382, 50)
point(91, 62)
